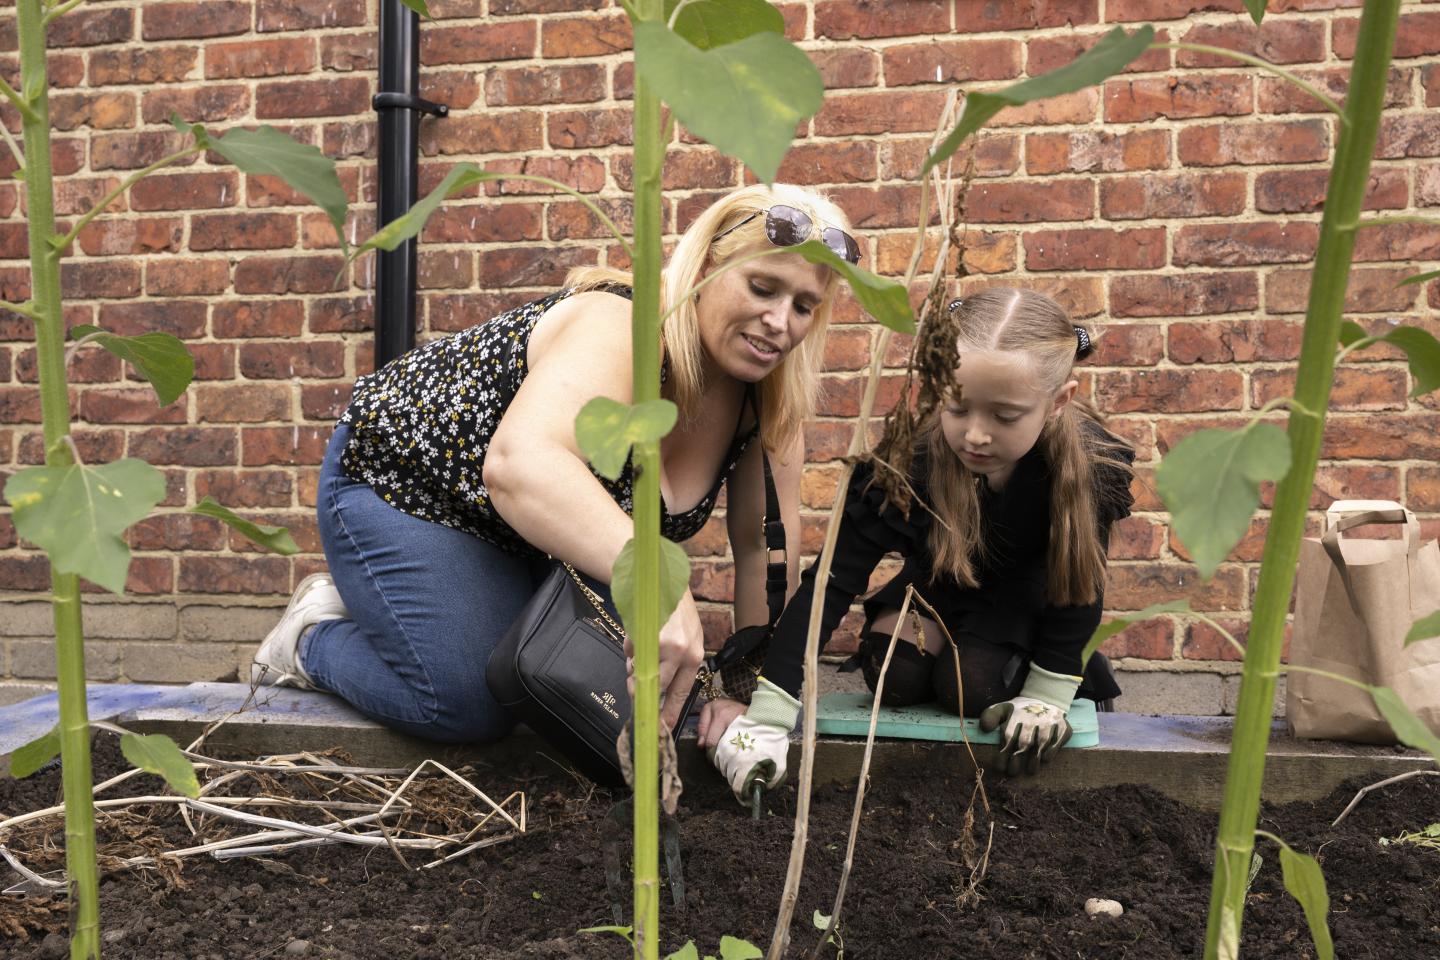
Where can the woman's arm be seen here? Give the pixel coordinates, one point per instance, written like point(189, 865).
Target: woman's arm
point(537, 477)
point(540, 483)
point(744, 519)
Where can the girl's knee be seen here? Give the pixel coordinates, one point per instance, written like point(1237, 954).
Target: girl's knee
point(907, 681)
point(980, 682)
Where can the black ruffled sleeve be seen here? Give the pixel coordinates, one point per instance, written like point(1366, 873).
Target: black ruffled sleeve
point(868, 531)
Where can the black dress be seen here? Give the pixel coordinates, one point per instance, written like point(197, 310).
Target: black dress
point(1009, 606)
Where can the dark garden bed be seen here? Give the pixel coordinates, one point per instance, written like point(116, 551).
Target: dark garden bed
point(528, 897)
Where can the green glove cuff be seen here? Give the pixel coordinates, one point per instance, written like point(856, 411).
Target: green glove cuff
point(772, 706)
point(1056, 689)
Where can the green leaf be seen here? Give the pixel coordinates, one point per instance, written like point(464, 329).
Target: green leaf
point(157, 357)
point(1409, 729)
point(733, 948)
point(820, 920)
point(1351, 332)
point(1109, 628)
point(1424, 629)
point(76, 514)
point(1422, 351)
point(404, 227)
point(687, 952)
point(745, 98)
point(606, 429)
point(1107, 58)
point(1306, 883)
point(1210, 482)
point(196, 130)
point(618, 931)
point(674, 580)
point(884, 299)
point(157, 753)
point(1257, 10)
point(713, 23)
point(1419, 278)
point(268, 152)
point(420, 7)
point(35, 754)
point(274, 539)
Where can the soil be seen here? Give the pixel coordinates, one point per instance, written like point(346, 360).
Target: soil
point(528, 898)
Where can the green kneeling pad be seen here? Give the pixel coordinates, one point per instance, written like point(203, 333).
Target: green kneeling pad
point(848, 715)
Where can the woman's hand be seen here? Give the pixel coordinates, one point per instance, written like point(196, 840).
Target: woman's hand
point(682, 647)
point(715, 718)
point(754, 747)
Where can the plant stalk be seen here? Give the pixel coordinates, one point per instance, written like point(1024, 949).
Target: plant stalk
point(1328, 280)
point(645, 343)
point(46, 303)
point(780, 938)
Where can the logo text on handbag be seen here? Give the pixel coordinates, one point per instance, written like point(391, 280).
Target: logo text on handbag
point(606, 701)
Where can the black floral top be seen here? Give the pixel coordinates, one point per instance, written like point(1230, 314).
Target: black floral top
point(421, 425)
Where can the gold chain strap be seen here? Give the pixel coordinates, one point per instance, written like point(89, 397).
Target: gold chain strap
point(704, 675)
point(595, 601)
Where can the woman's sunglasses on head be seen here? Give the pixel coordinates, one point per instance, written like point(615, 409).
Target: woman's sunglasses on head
point(789, 227)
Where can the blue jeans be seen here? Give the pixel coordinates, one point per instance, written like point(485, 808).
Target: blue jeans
point(427, 605)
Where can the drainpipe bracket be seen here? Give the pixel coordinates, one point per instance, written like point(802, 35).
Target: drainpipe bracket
point(390, 100)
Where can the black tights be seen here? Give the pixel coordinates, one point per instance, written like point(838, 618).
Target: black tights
point(915, 677)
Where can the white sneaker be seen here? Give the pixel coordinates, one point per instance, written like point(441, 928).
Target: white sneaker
point(277, 662)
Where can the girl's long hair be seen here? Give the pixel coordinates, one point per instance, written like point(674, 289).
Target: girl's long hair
point(1023, 321)
point(788, 393)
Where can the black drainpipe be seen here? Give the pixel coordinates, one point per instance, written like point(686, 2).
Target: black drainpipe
point(399, 107)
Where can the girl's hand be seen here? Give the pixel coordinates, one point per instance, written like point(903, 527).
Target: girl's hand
point(715, 718)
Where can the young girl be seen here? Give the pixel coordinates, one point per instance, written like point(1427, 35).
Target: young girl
point(1015, 488)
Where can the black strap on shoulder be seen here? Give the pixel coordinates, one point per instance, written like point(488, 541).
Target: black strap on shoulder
point(776, 558)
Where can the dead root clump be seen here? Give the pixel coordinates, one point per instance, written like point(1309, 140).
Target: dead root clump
point(929, 373)
point(253, 808)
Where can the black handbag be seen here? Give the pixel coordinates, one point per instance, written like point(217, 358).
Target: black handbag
point(560, 668)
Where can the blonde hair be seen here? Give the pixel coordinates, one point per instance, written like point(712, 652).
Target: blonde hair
point(1007, 319)
point(788, 393)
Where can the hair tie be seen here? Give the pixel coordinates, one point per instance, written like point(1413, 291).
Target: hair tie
point(1083, 345)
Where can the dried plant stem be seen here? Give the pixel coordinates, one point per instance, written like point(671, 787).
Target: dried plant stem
point(1376, 786)
point(30, 875)
point(863, 783)
point(117, 803)
point(385, 817)
point(788, 896)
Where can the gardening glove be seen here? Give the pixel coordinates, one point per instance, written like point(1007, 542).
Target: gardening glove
point(1033, 725)
point(756, 743)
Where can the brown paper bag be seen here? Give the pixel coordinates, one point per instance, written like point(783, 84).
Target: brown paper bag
point(1355, 601)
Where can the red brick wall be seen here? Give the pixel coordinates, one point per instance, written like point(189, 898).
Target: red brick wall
point(1179, 203)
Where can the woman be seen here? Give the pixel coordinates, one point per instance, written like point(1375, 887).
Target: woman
point(454, 475)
